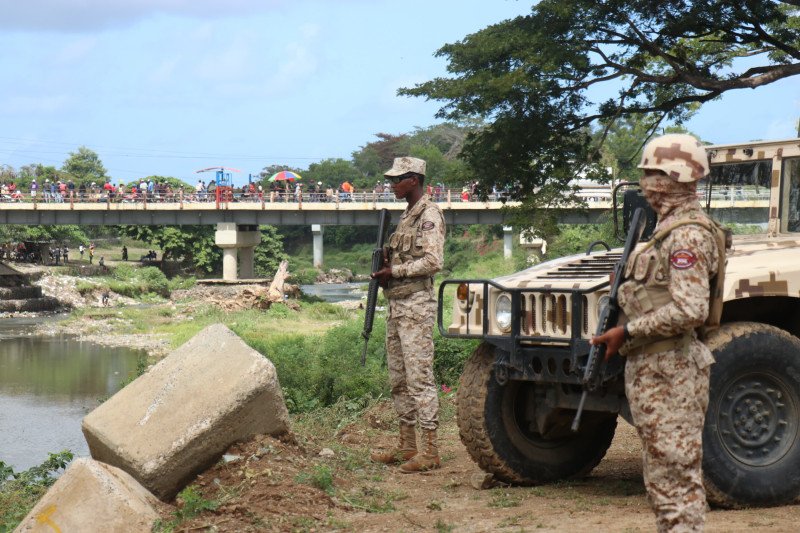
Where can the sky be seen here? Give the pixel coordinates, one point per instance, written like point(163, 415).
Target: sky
point(167, 87)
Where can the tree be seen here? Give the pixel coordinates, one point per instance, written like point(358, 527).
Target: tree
point(622, 149)
point(534, 78)
point(196, 245)
point(331, 172)
point(84, 165)
point(376, 157)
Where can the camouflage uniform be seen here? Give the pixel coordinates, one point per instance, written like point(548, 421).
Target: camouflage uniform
point(666, 297)
point(416, 252)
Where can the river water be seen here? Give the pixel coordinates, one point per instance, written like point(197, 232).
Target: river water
point(47, 386)
point(336, 292)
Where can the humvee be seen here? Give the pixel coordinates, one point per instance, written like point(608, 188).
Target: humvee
point(521, 387)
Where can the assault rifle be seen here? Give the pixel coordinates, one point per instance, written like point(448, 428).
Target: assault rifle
point(609, 315)
point(372, 293)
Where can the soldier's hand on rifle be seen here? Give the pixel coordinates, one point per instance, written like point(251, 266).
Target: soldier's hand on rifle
point(613, 339)
point(383, 276)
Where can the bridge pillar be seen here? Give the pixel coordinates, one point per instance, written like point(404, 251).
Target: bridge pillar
point(233, 238)
point(316, 231)
point(508, 234)
point(247, 262)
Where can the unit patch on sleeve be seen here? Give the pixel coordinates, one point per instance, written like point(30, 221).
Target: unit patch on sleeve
point(427, 225)
point(682, 259)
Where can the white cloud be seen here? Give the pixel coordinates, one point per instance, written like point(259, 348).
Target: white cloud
point(163, 72)
point(31, 105)
point(298, 63)
point(782, 128)
point(76, 50)
point(87, 15)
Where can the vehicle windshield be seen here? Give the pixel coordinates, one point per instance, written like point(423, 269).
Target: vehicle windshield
point(738, 193)
point(791, 172)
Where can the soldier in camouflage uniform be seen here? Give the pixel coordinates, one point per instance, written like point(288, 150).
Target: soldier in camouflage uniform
point(413, 256)
point(665, 299)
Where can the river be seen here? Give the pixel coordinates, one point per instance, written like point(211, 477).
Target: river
point(47, 386)
point(336, 292)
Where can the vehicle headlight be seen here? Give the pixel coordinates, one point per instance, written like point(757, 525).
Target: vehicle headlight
point(602, 302)
point(502, 312)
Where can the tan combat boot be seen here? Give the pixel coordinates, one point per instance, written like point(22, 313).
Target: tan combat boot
point(405, 449)
point(428, 459)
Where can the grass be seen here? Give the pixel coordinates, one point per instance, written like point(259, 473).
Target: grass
point(191, 503)
point(503, 499)
point(19, 491)
point(372, 499)
point(320, 477)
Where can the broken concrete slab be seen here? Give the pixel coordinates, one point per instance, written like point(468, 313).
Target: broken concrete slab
point(92, 496)
point(179, 417)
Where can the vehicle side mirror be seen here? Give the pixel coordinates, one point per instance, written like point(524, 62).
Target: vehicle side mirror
point(632, 198)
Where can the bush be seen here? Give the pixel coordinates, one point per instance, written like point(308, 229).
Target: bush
point(135, 282)
point(304, 276)
point(19, 491)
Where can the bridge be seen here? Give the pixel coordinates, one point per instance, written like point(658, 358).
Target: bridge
point(237, 221)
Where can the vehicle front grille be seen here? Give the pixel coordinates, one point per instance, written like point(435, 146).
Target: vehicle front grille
point(550, 314)
point(585, 268)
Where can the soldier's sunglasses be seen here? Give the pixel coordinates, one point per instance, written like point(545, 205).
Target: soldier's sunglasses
point(398, 179)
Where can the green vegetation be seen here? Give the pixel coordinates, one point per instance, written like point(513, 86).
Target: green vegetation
point(190, 504)
point(320, 476)
point(143, 283)
point(19, 491)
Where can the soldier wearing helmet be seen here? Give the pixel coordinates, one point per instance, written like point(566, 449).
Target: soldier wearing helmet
point(666, 297)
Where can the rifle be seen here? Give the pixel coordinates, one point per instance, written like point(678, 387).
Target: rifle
point(609, 316)
point(372, 293)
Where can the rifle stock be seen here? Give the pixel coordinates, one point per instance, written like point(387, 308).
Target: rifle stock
point(372, 292)
point(609, 317)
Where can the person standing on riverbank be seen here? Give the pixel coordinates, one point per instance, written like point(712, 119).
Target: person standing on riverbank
point(415, 253)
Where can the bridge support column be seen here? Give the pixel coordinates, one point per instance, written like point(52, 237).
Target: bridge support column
point(233, 238)
point(508, 238)
point(316, 231)
point(247, 262)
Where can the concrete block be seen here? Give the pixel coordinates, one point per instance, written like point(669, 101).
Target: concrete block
point(92, 496)
point(179, 417)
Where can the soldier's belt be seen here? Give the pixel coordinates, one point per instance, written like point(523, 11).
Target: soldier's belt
point(679, 342)
point(407, 289)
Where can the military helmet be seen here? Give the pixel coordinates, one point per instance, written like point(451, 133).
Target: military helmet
point(679, 156)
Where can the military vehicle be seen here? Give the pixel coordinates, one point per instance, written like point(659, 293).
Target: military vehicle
point(521, 387)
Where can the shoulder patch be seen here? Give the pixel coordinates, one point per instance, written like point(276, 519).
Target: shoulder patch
point(428, 225)
point(683, 259)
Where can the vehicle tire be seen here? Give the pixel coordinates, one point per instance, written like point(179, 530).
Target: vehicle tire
point(491, 428)
point(751, 438)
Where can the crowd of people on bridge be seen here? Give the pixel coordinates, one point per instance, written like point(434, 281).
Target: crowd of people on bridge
point(163, 190)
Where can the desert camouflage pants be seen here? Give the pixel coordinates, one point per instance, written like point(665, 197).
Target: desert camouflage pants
point(409, 355)
point(668, 395)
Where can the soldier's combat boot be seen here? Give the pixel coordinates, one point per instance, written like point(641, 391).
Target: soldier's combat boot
point(428, 459)
point(405, 449)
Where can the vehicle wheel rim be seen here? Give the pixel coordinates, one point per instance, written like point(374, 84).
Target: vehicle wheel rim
point(518, 428)
point(757, 419)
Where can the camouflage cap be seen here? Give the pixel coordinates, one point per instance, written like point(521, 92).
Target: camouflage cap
point(404, 165)
point(679, 156)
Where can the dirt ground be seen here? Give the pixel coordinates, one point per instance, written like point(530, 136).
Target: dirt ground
point(277, 485)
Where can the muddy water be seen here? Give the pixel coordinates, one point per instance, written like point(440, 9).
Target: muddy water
point(47, 385)
point(336, 292)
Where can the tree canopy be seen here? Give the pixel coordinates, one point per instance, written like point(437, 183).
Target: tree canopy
point(538, 79)
point(85, 165)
